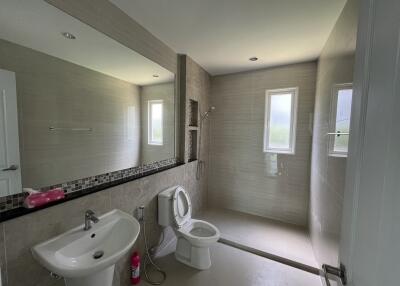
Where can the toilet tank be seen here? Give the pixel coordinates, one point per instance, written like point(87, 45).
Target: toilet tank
point(165, 206)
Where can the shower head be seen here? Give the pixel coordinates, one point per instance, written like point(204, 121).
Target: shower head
point(207, 113)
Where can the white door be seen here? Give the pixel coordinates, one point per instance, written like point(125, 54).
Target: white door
point(10, 172)
point(370, 246)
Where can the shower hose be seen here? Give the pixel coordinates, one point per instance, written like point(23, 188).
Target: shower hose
point(148, 259)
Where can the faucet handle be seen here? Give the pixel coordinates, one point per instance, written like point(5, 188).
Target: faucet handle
point(89, 213)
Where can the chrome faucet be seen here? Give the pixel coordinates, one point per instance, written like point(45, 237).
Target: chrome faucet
point(89, 218)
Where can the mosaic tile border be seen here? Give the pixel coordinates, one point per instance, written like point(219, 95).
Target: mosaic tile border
point(11, 202)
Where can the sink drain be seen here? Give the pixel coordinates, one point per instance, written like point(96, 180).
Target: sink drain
point(98, 254)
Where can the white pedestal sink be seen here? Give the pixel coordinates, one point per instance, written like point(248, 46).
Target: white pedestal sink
point(87, 258)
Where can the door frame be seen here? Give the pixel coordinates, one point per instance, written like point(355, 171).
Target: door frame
point(357, 131)
point(11, 122)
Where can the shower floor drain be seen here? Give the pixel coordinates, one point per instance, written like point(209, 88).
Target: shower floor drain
point(98, 254)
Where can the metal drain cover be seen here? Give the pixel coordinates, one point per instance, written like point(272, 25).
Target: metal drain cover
point(98, 254)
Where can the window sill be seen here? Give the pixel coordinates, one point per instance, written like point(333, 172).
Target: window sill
point(280, 152)
point(338, 155)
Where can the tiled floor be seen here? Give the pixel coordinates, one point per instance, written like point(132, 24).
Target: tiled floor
point(233, 267)
point(277, 238)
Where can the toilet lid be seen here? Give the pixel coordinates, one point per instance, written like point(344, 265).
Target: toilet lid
point(181, 206)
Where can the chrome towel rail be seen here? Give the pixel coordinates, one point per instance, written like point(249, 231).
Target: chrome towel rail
point(337, 272)
point(338, 133)
point(51, 128)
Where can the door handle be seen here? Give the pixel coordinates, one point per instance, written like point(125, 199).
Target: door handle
point(11, 168)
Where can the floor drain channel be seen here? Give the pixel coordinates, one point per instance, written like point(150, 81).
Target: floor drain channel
point(98, 254)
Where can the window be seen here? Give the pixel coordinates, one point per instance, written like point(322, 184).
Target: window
point(340, 119)
point(155, 118)
point(280, 120)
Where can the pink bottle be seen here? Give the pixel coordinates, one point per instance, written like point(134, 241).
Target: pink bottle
point(135, 268)
point(37, 199)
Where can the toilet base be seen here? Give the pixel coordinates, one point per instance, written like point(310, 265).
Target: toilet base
point(196, 257)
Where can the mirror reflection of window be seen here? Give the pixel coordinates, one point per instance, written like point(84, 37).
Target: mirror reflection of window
point(155, 122)
point(340, 119)
point(131, 123)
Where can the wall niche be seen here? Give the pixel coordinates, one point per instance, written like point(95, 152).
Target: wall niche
point(193, 129)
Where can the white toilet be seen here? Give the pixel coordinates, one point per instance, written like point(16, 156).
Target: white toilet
point(194, 236)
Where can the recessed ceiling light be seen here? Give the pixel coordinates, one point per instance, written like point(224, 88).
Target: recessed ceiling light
point(155, 75)
point(68, 36)
point(253, 59)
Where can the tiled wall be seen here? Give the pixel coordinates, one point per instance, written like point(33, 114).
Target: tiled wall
point(242, 176)
point(198, 83)
point(197, 87)
point(328, 173)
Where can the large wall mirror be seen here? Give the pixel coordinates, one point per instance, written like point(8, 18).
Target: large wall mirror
point(75, 103)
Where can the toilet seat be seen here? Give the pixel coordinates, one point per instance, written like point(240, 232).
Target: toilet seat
point(200, 232)
point(182, 208)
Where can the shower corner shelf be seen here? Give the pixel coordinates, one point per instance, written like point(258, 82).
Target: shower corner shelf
point(193, 115)
point(192, 146)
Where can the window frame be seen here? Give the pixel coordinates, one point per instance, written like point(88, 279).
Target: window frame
point(150, 140)
point(332, 118)
point(291, 150)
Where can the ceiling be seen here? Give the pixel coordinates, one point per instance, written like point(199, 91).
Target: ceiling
point(221, 35)
point(38, 25)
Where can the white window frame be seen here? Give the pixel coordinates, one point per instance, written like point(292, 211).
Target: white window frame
point(332, 119)
point(293, 124)
point(149, 119)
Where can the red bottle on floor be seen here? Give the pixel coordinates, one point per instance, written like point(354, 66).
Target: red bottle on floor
point(135, 268)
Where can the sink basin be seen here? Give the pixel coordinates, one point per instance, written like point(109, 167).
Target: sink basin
point(83, 254)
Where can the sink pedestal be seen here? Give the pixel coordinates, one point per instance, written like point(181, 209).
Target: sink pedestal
point(101, 278)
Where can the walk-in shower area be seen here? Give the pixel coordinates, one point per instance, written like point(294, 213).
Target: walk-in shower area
point(260, 161)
